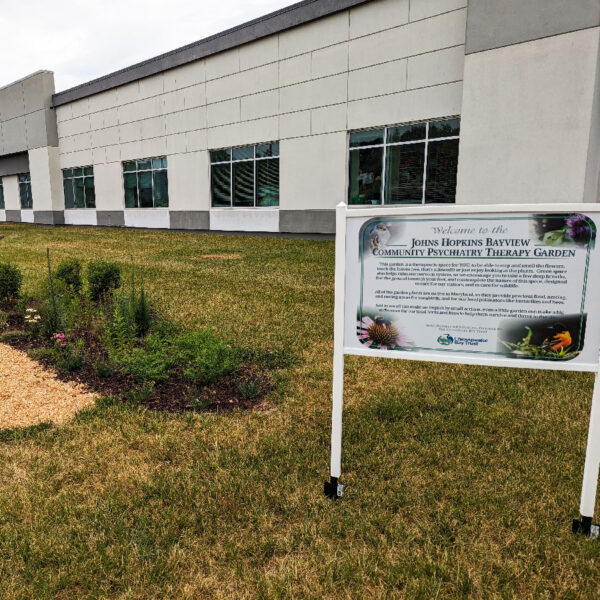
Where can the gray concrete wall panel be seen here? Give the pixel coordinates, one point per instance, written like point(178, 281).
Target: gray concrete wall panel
point(496, 23)
point(190, 219)
point(14, 216)
point(14, 164)
point(49, 217)
point(111, 218)
point(307, 221)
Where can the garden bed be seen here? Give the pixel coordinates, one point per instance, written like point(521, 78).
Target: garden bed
point(108, 339)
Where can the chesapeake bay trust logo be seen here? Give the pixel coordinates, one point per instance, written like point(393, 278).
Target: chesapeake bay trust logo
point(445, 340)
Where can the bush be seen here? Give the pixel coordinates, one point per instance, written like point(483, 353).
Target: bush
point(69, 272)
point(146, 365)
point(10, 282)
point(102, 277)
point(203, 356)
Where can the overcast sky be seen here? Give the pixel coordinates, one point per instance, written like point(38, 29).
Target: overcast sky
point(83, 40)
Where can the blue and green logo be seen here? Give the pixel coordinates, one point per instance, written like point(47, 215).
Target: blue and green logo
point(445, 340)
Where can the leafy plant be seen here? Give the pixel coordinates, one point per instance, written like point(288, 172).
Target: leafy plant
point(103, 277)
point(69, 272)
point(10, 282)
point(249, 385)
point(203, 356)
point(141, 313)
point(146, 365)
point(103, 369)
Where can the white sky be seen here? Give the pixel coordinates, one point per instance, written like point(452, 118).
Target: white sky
point(83, 40)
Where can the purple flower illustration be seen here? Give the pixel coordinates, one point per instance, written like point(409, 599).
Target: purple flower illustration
point(381, 333)
point(578, 228)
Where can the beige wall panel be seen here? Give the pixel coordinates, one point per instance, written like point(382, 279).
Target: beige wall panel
point(330, 60)
point(245, 133)
point(259, 53)
point(324, 158)
point(260, 105)
point(328, 119)
point(377, 80)
point(376, 16)
point(76, 159)
point(223, 113)
point(128, 93)
point(152, 128)
point(241, 84)
point(153, 147)
point(312, 94)
point(194, 95)
point(41, 189)
point(98, 155)
point(176, 143)
point(80, 108)
point(82, 141)
point(11, 192)
point(152, 86)
point(436, 67)
point(99, 102)
point(415, 105)
point(188, 181)
point(318, 34)
point(222, 64)
point(196, 140)
point(423, 9)
point(173, 101)
point(132, 150)
point(295, 70)
point(105, 137)
point(294, 124)
point(415, 38)
point(108, 180)
point(527, 112)
point(184, 76)
point(113, 153)
point(130, 132)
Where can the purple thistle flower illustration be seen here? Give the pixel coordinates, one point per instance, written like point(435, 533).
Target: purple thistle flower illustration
point(578, 228)
point(385, 335)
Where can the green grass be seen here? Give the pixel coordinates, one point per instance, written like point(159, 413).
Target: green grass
point(461, 481)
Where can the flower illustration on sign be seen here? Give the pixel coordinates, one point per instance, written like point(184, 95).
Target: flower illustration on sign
point(381, 333)
point(559, 230)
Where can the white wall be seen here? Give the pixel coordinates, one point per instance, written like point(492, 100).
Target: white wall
point(386, 62)
point(46, 182)
point(12, 200)
point(527, 120)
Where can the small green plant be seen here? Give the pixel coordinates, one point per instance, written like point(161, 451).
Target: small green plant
point(142, 316)
point(10, 282)
point(249, 385)
point(203, 356)
point(3, 319)
point(14, 336)
point(102, 277)
point(103, 369)
point(146, 365)
point(69, 356)
point(69, 272)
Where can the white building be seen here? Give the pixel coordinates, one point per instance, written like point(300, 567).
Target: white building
point(267, 126)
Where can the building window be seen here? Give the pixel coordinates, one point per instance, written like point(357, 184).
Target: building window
point(25, 190)
point(79, 187)
point(146, 184)
point(1, 194)
point(407, 164)
point(245, 177)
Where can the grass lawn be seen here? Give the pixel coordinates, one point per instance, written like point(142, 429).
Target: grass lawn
point(461, 481)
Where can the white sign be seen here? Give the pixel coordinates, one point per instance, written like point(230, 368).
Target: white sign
point(511, 285)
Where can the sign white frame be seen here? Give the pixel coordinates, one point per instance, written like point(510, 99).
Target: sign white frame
point(333, 488)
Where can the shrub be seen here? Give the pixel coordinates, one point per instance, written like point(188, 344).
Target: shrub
point(203, 356)
point(102, 277)
point(10, 282)
point(54, 316)
point(103, 369)
point(69, 272)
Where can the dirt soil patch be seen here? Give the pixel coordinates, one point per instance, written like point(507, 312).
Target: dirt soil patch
point(31, 394)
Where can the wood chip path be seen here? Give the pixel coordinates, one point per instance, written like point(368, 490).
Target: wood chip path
point(30, 394)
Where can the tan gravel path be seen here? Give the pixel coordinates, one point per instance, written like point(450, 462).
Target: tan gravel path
point(30, 394)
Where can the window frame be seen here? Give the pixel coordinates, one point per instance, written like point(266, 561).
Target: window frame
point(27, 183)
point(384, 166)
point(254, 159)
point(151, 170)
point(83, 177)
